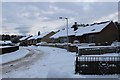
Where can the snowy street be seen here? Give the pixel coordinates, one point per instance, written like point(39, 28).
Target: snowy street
point(52, 39)
point(45, 62)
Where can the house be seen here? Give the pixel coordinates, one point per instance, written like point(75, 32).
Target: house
point(32, 40)
point(47, 38)
point(100, 33)
point(43, 37)
point(118, 25)
point(60, 36)
point(23, 40)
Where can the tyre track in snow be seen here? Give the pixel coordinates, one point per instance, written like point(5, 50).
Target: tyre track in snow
point(24, 63)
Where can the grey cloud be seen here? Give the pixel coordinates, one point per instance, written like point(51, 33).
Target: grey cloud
point(23, 29)
point(28, 13)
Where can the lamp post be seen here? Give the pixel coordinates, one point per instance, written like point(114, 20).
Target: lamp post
point(66, 29)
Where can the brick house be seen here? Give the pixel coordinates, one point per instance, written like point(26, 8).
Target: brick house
point(60, 36)
point(47, 38)
point(24, 40)
point(100, 33)
point(32, 40)
point(43, 37)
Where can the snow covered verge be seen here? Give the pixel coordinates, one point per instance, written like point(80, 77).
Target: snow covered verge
point(5, 58)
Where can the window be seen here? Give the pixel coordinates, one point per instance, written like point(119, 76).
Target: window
point(93, 30)
point(91, 38)
point(63, 40)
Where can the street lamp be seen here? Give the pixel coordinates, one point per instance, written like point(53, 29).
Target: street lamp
point(66, 28)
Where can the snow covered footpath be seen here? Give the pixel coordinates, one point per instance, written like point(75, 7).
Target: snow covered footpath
point(54, 63)
point(8, 57)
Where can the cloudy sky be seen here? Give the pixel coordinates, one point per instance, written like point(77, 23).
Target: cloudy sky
point(31, 17)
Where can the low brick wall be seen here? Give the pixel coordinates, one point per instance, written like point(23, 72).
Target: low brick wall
point(98, 50)
point(72, 48)
point(8, 49)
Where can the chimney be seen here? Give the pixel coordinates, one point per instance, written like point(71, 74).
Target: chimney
point(75, 23)
point(75, 26)
point(38, 33)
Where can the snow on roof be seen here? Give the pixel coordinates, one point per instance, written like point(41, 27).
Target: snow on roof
point(40, 36)
point(43, 34)
point(23, 38)
point(81, 30)
point(33, 37)
point(63, 33)
point(91, 29)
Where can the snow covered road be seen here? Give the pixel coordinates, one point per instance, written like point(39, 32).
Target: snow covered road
point(45, 62)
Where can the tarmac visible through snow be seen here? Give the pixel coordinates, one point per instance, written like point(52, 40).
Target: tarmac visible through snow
point(23, 63)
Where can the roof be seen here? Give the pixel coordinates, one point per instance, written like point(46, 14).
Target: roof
point(33, 37)
point(24, 38)
point(63, 33)
point(81, 30)
point(91, 29)
point(40, 36)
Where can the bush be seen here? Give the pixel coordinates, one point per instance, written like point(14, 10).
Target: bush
point(23, 44)
point(15, 40)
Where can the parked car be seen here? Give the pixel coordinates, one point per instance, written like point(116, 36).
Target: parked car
point(76, 42)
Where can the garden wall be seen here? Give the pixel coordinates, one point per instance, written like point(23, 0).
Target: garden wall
point(8, 49)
